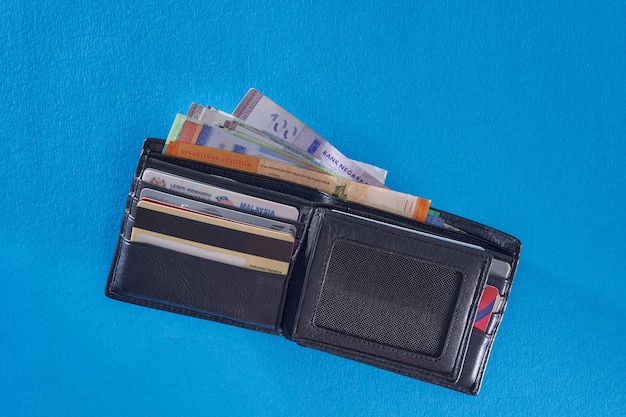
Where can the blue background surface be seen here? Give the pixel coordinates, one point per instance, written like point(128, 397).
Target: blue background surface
point(511, 114)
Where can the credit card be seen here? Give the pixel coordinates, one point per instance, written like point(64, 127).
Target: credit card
point(219, 195)
point(489, 302)
point(214, 238)
point(218, 211)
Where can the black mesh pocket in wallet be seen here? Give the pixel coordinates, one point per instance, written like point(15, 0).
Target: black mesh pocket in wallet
point(387, 298)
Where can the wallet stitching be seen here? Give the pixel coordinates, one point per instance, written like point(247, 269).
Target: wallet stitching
point(388, 348)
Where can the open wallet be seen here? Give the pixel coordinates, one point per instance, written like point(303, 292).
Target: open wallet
point(414, 298)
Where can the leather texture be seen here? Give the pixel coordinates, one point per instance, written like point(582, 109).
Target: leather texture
point(297, 305)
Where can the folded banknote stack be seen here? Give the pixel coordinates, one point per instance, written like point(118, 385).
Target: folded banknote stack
point(253, 219)
point(283, 147)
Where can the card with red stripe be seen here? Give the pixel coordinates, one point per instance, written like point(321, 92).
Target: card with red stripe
point(489, 302)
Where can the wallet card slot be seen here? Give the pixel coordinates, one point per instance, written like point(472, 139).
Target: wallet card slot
point(382, 292)
point(494, 323)
point(501, 284)
point(161, 278)
point(475, 360)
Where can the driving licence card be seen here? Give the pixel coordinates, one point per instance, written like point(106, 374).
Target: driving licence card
point(219, 195)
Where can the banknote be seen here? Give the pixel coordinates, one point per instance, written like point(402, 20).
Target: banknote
point(211, 116)
point(221, 120)
point(434, 218)
point(402, 204)
point(188, 130)
point(379, 173)
point(247, 140)
point(216, 117)
point(261, 112)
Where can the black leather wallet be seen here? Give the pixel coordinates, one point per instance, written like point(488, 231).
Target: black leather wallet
point(362, 283)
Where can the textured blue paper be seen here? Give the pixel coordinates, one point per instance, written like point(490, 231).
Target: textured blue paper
point(511, 114)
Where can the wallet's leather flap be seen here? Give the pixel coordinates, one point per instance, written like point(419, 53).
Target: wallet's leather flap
point(397, 296)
